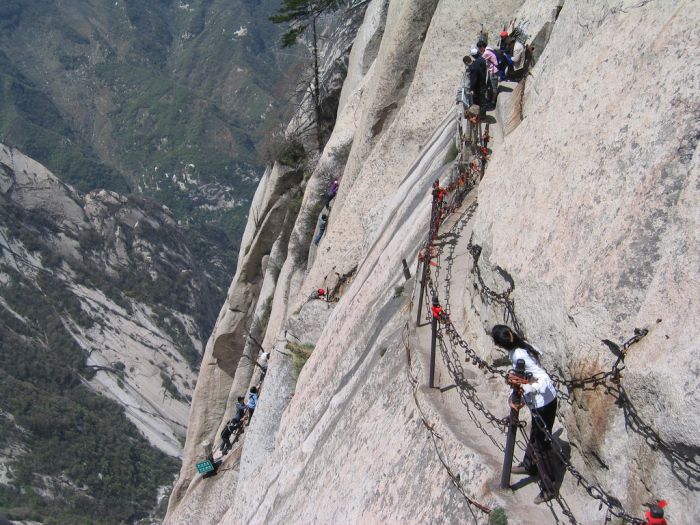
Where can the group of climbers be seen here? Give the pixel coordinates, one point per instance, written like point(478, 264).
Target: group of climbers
point(533, 386)
point(244, 409)
point(485, 66)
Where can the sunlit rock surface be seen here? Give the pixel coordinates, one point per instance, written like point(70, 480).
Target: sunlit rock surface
point(590, 204)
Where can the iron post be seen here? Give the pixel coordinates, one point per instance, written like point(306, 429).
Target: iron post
point(433, 342)
point(512, 424)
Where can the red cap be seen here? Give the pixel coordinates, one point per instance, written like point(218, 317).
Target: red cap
point(321, 291)
point(504, 34)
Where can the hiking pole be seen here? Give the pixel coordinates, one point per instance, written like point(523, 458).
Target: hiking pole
point(516, 378)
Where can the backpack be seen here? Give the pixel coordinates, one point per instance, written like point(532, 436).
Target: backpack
point(500, 54)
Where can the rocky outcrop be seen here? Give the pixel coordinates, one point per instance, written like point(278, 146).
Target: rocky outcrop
point(588, 207)
point(111, 252)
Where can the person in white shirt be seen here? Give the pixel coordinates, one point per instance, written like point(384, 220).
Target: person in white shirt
point(540, 395)
point(518, 56)
point(262, 363)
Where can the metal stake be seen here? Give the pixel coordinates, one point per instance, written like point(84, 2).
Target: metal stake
point(513, 422)
point(406, 271)
point(433, 341)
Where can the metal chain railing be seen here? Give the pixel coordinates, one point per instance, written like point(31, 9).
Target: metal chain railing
point(435, 436)
point(684, 459)
point(509, 316)
point(443, 206)
point(593, 489)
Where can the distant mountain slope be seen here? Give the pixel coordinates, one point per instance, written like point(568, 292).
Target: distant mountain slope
point(160, 97)
point(103, 311)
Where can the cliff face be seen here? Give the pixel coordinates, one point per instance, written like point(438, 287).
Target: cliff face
point(103, 314)
point(588, 210)
point(117, 257)
point(171, 100)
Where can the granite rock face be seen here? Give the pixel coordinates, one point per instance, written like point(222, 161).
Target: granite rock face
point(589, 205)
point(88, 243)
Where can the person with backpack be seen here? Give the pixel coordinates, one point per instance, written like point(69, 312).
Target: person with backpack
point(240, 408)
point(504, 61)
point(331, 193)
point(321, 228)
point(252, 402)
point(232, 427)
point(489, 55)
point(540, 395)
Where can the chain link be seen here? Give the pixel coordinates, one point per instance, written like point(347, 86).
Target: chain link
point(594, 490)
point(433, 251)
point(435, 436)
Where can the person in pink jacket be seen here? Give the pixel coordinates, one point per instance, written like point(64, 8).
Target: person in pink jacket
point(489, 55)
point(491, 68)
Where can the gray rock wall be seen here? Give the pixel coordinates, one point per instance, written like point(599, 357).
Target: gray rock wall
point(590, 204)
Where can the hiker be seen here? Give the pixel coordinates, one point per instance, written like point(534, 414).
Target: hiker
point(321, 228)
point(489, 55)
point(331, 193)
point(262, 363)
point(503, 42)
point(504, 61)
point(232, 426)
point(229, 429)
point(240, 408)
point(541, 397)
point(463, 93)
point(252, 402)
point(477, 77)
point(517, 68)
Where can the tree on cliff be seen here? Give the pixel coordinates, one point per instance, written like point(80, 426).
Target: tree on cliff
point(303, 15)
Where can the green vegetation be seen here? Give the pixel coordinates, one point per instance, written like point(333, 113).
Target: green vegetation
point(101, 469)
point(170, 387)
point(302, 16)
point(291, 153)
point(498, 517)
point(123, 96)
point(31, 122)
point(300, 354)
point(130, 96)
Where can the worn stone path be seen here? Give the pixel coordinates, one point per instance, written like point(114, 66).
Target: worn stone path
point(469, 447)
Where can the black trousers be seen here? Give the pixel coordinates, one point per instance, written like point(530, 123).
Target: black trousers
point(538, 455)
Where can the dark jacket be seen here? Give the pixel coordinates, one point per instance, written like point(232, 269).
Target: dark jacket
point(240, 409)
point(481, 61)
point(477, 76)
